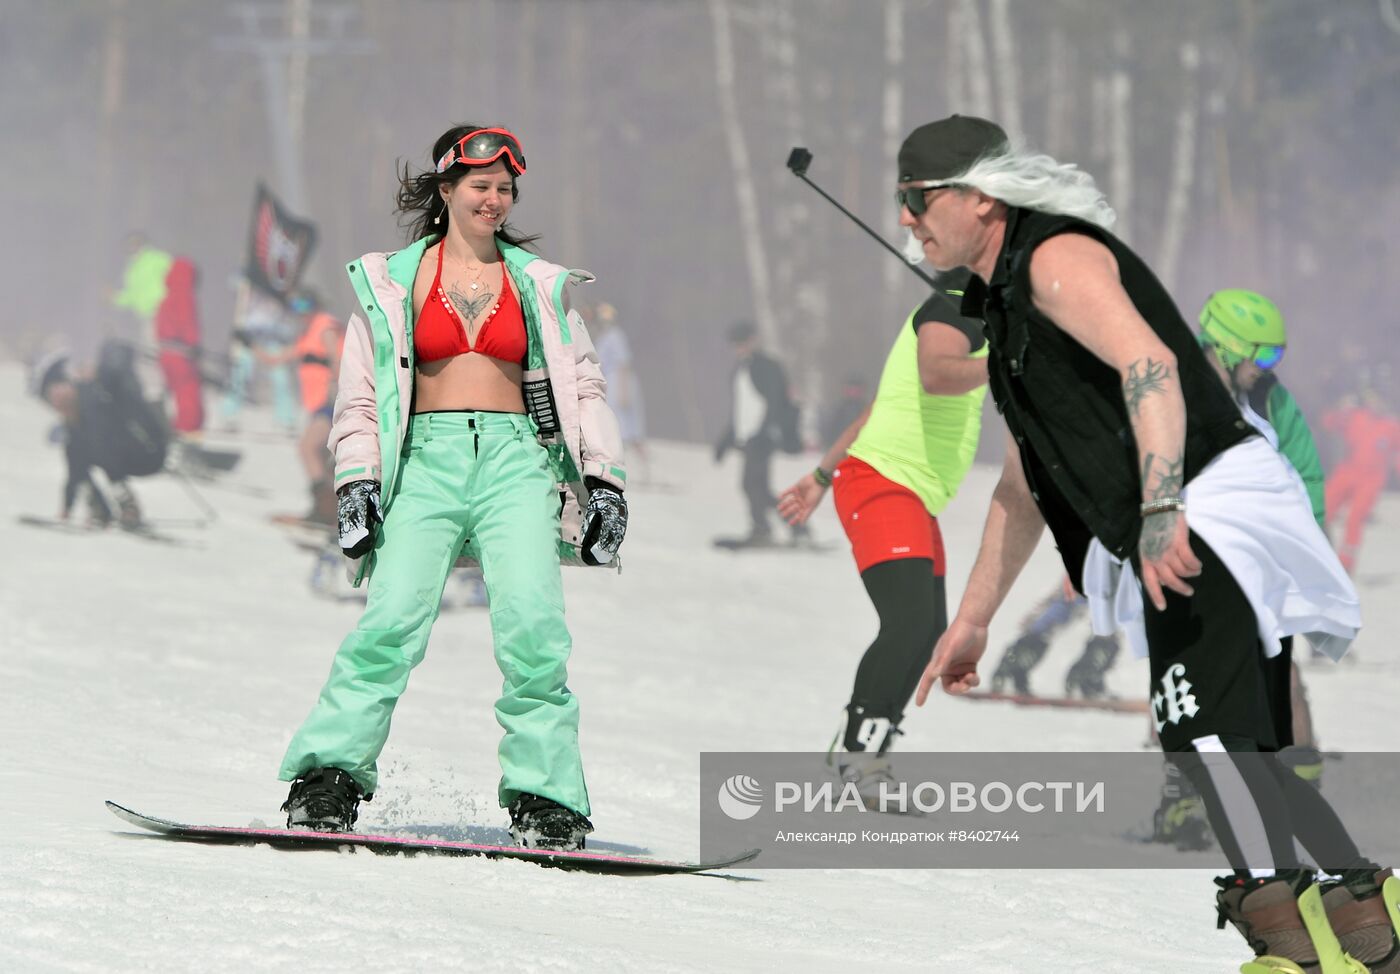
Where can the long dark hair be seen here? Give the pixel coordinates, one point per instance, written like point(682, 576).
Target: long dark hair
point(419, 201)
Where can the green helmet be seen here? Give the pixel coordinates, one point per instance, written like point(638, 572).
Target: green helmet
point(1239, 324)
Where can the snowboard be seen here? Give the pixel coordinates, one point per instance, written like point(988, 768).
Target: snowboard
point(585, 861)
point(1110, 704)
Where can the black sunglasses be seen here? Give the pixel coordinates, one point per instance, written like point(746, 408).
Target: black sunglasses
point(915, 198)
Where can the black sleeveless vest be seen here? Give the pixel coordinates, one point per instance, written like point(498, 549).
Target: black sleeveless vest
point(1064, 406)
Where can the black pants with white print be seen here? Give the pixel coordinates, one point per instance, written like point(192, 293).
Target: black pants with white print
point(1221, 709)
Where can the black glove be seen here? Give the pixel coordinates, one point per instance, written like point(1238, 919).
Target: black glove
point(604, 523)
point(359, 511)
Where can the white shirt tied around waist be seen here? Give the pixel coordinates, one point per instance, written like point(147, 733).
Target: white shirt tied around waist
point(1249, 505)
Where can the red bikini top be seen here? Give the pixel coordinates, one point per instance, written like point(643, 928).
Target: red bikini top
point(439, 333)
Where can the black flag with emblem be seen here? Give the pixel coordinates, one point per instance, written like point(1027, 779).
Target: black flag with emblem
point(279, 246)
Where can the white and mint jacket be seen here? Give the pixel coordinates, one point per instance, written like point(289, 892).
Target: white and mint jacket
point(563, 385)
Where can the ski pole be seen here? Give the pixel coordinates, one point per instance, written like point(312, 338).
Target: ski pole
point(798, 161)
point(208, 510)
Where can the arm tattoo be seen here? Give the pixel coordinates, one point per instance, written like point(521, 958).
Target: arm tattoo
point(1157, 533)
point(1144, 378)
point(1162, 477)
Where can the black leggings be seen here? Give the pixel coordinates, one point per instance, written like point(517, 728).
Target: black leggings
point(913, 610)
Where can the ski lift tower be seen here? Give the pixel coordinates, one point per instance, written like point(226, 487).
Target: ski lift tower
point(285, 36)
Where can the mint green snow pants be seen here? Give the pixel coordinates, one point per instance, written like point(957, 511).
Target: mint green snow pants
point(484, 477)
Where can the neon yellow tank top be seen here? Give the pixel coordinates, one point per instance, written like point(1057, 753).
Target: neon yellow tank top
point(917, 440)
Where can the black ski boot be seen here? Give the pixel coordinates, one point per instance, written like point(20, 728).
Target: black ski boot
point(1016, 665)
point(1085, 677)
point(323, 800)
point(542, 823)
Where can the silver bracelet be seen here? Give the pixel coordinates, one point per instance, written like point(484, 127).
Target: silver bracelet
point(1162, 505)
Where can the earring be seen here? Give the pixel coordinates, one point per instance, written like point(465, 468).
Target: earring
point(438, 219)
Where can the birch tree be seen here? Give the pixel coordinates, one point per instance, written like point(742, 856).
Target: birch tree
point(1004, 52)
point(1183, 169)
point(954, 61)
point(742, 170)
point(112, 101)
point(1120, 141)
point(979, 81)
point(1058, 124)
point(892, 119)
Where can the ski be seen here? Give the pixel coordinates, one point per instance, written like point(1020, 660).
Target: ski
point(747, 544)
point(197, 458)
point(142, 531)
point(1110, 704)
point(584, 861)
point(299, 526)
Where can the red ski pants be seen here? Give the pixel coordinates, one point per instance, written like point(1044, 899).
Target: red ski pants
point(1357, 489)
point(182, 379)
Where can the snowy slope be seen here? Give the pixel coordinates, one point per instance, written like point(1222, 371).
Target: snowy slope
point(171, 679)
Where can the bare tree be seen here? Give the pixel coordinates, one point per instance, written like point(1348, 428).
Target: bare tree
point(978, 76)
point(298, 62)
point(113, 98)
point(742, 171)
point(778, 39)
point(954, 60)
point(1004, 51)
point(892, 118)
point(1183, 168)
point(575, 87)
point(1120, 137)
point(1058, 124)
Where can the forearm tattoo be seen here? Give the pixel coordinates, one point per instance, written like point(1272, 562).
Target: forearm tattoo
point(1162, 477)
point(1145, 378)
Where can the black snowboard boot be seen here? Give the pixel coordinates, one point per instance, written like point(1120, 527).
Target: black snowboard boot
point(542, 823)
point(1016, 665)
point(1180, 819)
point(1085, 677)
point(323, 800)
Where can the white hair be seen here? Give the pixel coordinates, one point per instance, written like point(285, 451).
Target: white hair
point(1020, 177)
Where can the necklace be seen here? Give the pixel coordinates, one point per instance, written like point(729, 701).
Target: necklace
point(476, 278)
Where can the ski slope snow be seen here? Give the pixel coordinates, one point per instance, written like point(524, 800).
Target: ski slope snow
point(170, 678)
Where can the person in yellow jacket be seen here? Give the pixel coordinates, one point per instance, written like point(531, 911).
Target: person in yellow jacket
point(893, 471)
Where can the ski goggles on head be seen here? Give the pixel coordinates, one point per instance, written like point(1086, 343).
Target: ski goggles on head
point(483, 147)
point(914, 198)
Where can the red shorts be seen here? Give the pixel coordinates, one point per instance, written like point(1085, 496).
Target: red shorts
point(884, 520)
